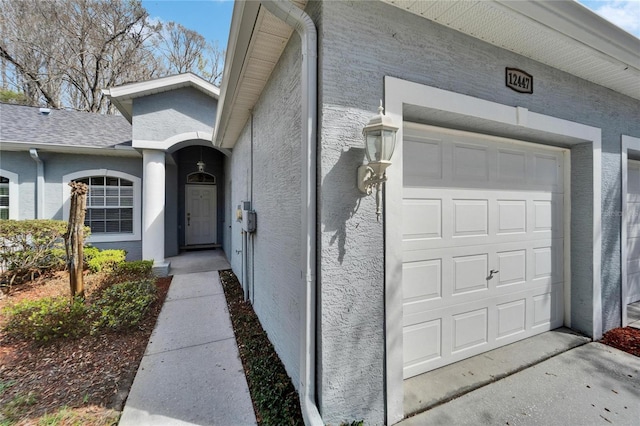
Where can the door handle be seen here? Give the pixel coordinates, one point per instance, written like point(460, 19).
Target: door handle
point(491, 272)
point(188, 219)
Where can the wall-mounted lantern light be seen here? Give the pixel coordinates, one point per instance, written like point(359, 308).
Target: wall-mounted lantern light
point(379, 143)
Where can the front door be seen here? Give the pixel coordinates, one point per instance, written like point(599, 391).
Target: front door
point(200, 215)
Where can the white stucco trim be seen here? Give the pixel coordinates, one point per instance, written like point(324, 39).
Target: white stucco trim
point(180, 141)
point(399, 92)
point(629, 143)
point(153, 199)
point(14, 193)
point(137, 203)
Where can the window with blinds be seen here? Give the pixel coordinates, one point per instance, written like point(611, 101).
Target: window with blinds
point(109, 205)
point(4, 198)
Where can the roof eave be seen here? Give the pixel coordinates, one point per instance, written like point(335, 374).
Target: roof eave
point(243, 21)
point(114, 150)
point(581, 24)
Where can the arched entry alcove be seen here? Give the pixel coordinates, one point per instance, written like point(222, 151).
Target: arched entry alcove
point(195, 197)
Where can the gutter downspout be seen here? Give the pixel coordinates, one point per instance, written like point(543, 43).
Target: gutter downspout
point(306, 29)
point(39, 183)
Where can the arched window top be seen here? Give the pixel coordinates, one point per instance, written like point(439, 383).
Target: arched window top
point(202, 178)
point(114, 204)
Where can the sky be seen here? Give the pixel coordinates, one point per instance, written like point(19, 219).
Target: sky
point(212, 18)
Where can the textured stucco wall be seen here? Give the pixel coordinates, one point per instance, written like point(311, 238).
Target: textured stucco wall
point(238, 176)
point(56, 165)
point(160, 116)
point(581, 242)
point(21, 164)
point(276, 186)
point(273, 138)
point(361, 43)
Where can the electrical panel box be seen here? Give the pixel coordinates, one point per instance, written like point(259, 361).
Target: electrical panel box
point(249, 221)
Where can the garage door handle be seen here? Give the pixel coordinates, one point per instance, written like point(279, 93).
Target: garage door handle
point(491, 272)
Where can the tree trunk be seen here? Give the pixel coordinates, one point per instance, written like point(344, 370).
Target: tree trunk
point(74, 238)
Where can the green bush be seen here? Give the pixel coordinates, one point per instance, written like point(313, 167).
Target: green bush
point(133, 271)
point(30, 247)
point(99, 260)
point(47, 318)
point(123, 305)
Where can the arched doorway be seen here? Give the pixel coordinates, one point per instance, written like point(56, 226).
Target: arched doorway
point(200, 208)
point(200, 197)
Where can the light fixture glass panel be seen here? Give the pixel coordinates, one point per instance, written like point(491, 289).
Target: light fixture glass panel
point(374, 145)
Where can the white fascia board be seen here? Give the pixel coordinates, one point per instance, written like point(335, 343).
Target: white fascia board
point(581, 24)
point(144, 88)
point(243, 22)
point(115, 150)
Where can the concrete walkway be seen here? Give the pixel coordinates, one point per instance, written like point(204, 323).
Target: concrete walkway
point(191, 373)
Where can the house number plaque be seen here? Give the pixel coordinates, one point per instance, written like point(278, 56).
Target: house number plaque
point(519, 80)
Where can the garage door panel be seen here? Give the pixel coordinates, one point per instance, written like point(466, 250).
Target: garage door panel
point(492, 205)
point(633, 281)
point(470, 162)
point(422, 280)
point(470, 217)
point(511, 318)
point(422, 342)
point(469, 273)
point(470, 329)
point(512, 217)
point(633, 265)
point(512, 166)
point(426, 162)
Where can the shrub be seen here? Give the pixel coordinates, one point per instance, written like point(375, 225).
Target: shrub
point(99, 260)
point(47, 318)
point(123, 305)
point(30, 247)
point(133, 271)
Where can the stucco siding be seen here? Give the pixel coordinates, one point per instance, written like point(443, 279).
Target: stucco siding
point(57, 165)
point(276, 180)
point(582, 242)
point(21, 164)
point(272, 137)
point(363, 42)
point(239, 175)
point(160, 116)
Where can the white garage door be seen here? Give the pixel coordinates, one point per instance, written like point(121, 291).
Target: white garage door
point(633, 231)
point(473, 204)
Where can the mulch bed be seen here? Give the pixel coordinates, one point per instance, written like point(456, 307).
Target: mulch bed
point(275, 400)
point(92, 372)
point(626, 339)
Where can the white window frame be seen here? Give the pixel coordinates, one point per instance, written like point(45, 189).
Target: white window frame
point(136, 235)
point(14, 188)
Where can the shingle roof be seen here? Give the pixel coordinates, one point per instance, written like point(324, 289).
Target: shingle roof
point(62, 127)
